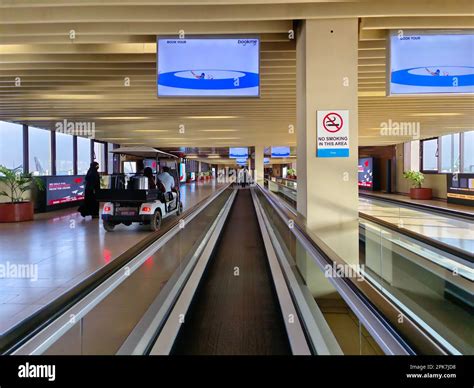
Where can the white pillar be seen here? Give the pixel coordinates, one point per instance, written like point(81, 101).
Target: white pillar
point(327, 80)
point(259, 165)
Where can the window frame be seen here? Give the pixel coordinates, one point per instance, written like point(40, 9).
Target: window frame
point(422, 166)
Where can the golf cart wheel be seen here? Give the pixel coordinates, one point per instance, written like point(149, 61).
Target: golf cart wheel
point(109, 226)
point(180, 208)
point(155, 222)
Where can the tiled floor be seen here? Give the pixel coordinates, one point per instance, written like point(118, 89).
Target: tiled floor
point(65, 249)
point(453, 231)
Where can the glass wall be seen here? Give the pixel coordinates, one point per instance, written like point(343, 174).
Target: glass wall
point(64, 154)
point(468, 152)
point(39, 141)
point(430, 155)
point(83, 155)
point(11, 145)
point(99, 155)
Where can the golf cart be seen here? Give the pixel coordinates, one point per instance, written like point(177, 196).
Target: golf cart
point(129, 199)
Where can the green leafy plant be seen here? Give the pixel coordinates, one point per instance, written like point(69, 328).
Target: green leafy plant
point(415, 177)
point(17, 183)
point(291, 172)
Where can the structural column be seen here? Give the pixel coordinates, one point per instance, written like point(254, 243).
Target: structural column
point(327, 80)
point(259, 165)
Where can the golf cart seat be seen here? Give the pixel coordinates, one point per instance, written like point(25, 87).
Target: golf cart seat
point(169, 196)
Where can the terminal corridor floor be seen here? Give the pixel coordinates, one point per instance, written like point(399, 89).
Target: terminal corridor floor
point(66, 249)
point(456, 232)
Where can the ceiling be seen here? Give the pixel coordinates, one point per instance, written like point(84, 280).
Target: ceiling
point(84, 79)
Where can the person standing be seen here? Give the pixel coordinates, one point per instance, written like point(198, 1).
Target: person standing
point(90, 207)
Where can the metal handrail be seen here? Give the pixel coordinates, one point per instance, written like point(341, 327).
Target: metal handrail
point(363, 293)
point(421, 207)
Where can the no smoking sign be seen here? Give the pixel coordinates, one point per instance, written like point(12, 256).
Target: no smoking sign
point(332, 134)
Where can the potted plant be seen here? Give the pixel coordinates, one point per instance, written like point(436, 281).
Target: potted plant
point(417, 192)
point(15, 184)
point(291, 173)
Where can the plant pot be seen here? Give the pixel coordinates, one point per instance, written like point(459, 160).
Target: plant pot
point(16, 212)
point(421, 193)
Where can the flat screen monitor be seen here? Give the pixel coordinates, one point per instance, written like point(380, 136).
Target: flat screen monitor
point(63, 189)
point(238, 152)
point(280, 152)
point(182, 172)
point(150, 163)
point(241, 160)
point(366, 172)
point(266, 160)
point(423, 62)
point(208, 67)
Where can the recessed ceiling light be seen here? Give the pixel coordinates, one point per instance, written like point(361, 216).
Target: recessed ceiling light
point(150, 130)
point(224, 138)
point(211, 117)
point(123, 118)
point(218, 130)
point(72, 96)
point(436, 114)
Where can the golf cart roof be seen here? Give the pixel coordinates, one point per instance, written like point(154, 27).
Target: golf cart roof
point(146, 152)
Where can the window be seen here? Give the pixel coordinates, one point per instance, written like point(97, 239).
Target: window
point(468, 152)
point(64, 155)
point(110, 159)
point(449, 153)
point(411, 156)
point(39, 141)
point(11, 145)
point(83, 155)
point(99, 155)
point(430, 155)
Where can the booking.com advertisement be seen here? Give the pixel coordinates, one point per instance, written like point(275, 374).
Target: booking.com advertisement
point(431, 63)
point(208, 67)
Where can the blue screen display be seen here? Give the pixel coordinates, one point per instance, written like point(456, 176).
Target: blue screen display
point(266, 160)
point(209, 67)
point(422, 63)
point(280, 152)
point(238, 152)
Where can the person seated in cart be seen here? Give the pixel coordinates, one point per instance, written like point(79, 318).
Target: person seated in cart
point(167, 179)
point(148, 172)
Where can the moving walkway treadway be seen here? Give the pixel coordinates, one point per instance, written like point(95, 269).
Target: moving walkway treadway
point(235, 310)
point(237, 274)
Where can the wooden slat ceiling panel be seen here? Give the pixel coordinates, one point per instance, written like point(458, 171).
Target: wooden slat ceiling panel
point(84, 79)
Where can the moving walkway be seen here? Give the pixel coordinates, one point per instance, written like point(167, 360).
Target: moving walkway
point(236, 274)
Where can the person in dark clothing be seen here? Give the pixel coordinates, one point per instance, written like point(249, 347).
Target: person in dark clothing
point(148, 172)
point(90, 207)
